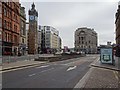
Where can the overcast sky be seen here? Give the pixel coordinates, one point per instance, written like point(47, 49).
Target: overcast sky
point(67, 16)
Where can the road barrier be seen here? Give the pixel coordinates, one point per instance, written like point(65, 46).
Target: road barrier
point(10, 59)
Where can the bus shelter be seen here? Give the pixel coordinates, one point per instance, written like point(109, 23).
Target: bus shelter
point(107, 55)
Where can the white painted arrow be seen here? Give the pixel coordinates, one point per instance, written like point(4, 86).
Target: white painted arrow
point(71, 68)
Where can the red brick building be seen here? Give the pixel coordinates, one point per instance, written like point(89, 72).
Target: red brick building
point(117, 22)
point(0, 27)
point(10, 27)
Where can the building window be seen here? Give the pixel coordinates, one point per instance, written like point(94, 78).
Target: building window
point(89, 41)
point(89, 46)
point(0, 9)
point(10, 26)
point(5, 24)
point(16, 28)
point(14, 16)
point(82, 38)
point(5, 36)
point(22, 40)
point(82, 42)
point(0, 22)
point(15, 38)
point(8, 37)
point(5, 11)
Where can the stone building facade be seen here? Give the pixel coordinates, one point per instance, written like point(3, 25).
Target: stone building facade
point(22, 43)
point(27, 29)
point(39, 40)
point(33, 31)
point(10, 27)
point(59, 43)
point(86, 40)
point(117, 22)
point(49, 39)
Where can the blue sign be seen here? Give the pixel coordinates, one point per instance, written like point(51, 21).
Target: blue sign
point(106, 55)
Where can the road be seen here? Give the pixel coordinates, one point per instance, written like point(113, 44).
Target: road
point(61, 74)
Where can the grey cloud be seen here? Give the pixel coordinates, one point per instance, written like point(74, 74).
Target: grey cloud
point(66, 17)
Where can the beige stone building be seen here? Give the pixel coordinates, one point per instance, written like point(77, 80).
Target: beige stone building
point(49, 39)
point(86, 40)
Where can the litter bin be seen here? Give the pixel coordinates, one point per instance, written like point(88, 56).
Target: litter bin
point(106, 55)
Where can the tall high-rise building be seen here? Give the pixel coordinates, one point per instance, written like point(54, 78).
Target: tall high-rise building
point(117, 22)
point(33, 31)
point(50, 40)
point(86, 40)
point(10, 27)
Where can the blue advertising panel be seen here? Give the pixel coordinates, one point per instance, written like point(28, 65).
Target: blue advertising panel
point(106, 55)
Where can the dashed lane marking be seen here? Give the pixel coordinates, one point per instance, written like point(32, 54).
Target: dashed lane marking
point(43, 66)
point(18, 68)
point(31, 75)
point(40, 72)
point(46, 70)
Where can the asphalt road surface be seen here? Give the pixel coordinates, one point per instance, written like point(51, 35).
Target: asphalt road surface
point(61, 74)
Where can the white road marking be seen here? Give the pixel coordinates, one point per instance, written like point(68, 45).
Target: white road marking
point(116, 74)
point(43, 66)
point(71, 68)
point(46, 70)
point(18, 69)
point(31, 75)
point(40, 72)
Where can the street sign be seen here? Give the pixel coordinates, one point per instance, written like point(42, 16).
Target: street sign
point(106, 55)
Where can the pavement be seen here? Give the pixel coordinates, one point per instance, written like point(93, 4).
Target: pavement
point(20, 64)
point(115, 67)
point(22, 61)
point(101, 76)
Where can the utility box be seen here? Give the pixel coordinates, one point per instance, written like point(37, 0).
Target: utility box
point(106, 55)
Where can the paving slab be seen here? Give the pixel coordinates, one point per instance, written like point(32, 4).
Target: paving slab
point(115, 67)
point(99, 78)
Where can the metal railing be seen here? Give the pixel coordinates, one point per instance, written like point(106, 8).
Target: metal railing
point(10, 59)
